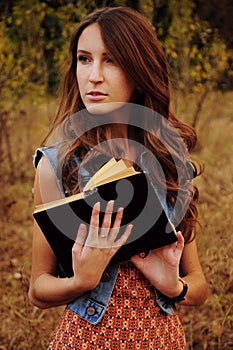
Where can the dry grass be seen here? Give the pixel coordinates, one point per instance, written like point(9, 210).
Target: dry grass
point(210, 326)
point(207, 327)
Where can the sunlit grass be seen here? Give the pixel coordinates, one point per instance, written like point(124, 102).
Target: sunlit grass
point(208, 326)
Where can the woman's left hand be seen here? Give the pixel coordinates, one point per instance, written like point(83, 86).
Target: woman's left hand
point(161, 267)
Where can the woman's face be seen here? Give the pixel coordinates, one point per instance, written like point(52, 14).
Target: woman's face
point(101, 81)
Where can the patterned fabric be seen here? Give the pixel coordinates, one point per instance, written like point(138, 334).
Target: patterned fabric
point(132, 321)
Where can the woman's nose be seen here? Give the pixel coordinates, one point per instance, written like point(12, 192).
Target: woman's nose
point(96, 74)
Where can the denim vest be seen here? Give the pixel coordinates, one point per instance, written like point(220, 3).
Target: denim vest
point(92, 304)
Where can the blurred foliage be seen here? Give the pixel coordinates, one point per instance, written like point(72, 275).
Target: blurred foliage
point(199, 59)
point(35, 36)
point(219, 15)
point(21, 52)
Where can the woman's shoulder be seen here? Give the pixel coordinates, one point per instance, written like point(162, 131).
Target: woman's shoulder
point(48, 168)
point(50, 152)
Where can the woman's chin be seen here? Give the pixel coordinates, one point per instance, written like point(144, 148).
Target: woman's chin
point(104, 108)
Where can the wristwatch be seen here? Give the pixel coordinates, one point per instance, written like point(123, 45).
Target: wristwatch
point(181, 296)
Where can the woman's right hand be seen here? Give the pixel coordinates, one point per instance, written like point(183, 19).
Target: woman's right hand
point(91, 252)
point(94, 248)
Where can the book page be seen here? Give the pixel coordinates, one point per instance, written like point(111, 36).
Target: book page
point(120, 175)
point(111, 171)
point(58, 202)
point(100, 173)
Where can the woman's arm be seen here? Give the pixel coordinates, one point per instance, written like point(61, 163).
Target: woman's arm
point(89, 257)
point(46, 289)
point(163, 267)
point(192, 273)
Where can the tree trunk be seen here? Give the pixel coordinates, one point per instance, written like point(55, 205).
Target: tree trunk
point(5, 136)
point(199, 108)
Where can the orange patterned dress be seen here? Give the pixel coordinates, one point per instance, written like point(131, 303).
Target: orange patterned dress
point(132, 321)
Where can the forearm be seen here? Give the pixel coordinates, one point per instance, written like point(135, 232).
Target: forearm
point(161, 268)
point(197, 289)
point(48, 291)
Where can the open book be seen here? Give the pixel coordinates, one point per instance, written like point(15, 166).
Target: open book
point(59, 220)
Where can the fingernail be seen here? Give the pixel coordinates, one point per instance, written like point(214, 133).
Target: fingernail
point(109, 206)
point(82, 227)
point(96, 206)
point(120, 209)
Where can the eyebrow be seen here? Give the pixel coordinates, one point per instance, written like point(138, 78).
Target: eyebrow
point(89, 53)
point(84, 51)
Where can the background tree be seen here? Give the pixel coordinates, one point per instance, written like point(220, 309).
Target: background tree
point(22, 68)
point(198, 57)
point(35, 35)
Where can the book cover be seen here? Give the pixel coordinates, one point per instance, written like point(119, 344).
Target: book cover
point(59, 220)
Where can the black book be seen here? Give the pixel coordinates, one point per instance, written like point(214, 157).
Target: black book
point(59, 220)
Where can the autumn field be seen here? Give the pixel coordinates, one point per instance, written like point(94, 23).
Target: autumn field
point(207, 327)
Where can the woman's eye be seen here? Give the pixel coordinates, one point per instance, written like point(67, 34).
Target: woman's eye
point(109, 60)
point(83, 59)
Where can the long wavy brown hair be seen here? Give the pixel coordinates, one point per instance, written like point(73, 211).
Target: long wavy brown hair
point(132, 42)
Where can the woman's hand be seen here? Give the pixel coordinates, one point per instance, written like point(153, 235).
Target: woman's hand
point(161, 267)
point(94, 248)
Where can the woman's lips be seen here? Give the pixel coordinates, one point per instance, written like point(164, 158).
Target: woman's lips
point(96, 95)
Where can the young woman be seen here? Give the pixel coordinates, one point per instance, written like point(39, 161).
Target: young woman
point(116, 61)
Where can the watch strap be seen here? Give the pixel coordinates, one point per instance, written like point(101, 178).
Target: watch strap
point(181, 296)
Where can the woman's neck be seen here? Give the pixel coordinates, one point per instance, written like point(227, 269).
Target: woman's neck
point(119, 131)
